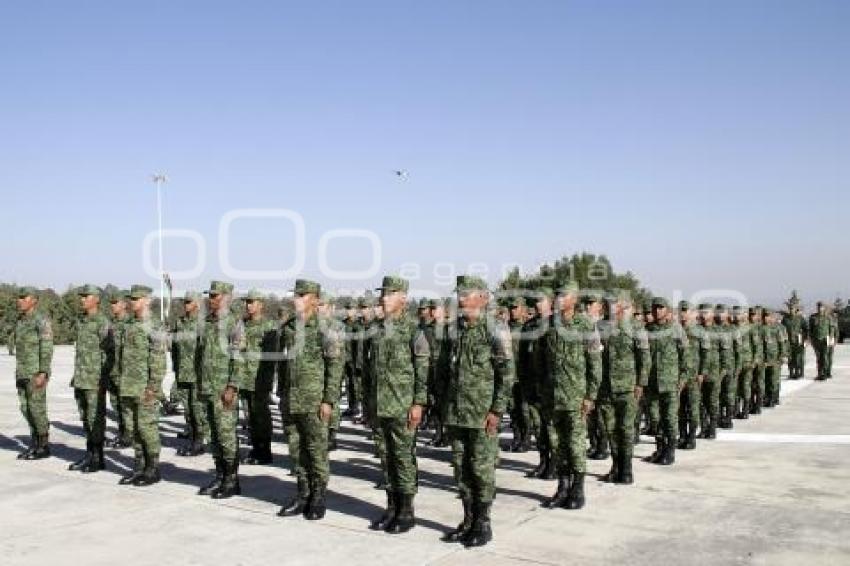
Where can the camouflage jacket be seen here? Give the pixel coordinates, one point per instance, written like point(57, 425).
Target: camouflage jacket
point(119, 327)
point(185, 346)
point(94, 352)
point(33, 345)
point(625, 358)
point(537, 382)
point(261, 354)
point(770, 336)
point(312, 365)
point(743, 348)
point(726, 344)
point(480, 372)
point(668, 346)
point(784, 342)
point(709, 352)
point(399, 355)
point(143, 359)
point(797, 327)
point(222, 343)
point(820, 327)
point(757, 343)
point(573, 361)
point(692, 331)
point(353, 355)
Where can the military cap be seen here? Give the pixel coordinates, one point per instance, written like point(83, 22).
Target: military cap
point(684, 306)
point(219, 288)
point(140, 291)
point(393, 283)
point(325, 298)
point(27, 291)
point(515, 301)
point(660, 302)
point(470, 283)
point(820, 303)
point(254, 295)
point(767, 311)
point(591, 297)
point(720, 307)
point(424, 303)
point(305, 287)
point(568, 288)
point(434, 303)
point(87, 290)
point(118, 295)
point(637, 305)
point(366, 302)
point(706, 307)
point(191, 297)
point(755, 309)
point(737, 309)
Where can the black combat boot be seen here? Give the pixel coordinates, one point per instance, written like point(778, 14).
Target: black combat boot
point(388, 515)
point(561, 494)
point(692, 439)
point(626, 477)
point(260, 455)
point(575, 498)
point(26, 453)
point(230, 482)
point(613, 474)
point(600, 453)
point(195, 448)
point(745, 410)
point(151, 474)
point(550, 471)
point(461, 533)
point(712, 428)
point(42, 448)
point(96, 463)
point(659, 448)
point(404, 519)
point(216, 482)
point(298, 503)
point(185, 434)
point(316, 505)
point(83, 462)
point(544, 463)
point(138, 470)
point(668, 455)
point(481, 532)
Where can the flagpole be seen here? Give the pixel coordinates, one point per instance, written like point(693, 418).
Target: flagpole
point(159, 179)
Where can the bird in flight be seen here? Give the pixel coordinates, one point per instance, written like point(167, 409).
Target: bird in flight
point(400, 173)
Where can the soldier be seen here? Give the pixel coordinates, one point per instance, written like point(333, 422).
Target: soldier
point(689, 398)
point(93, 358)
point(328, 320)
point(757, 346)
point(222, 344)
point(831, 340)
point(353, 361)
point(312, 373)
point(798, 332)
point(262, 343)
point(728, 376)
point(625, 372)
point(521, 421)
point(118, 322)
point(772, 358)
point(574, 365)
point(668, 375)
point(596, 432)
point(186, 359)
point(399, 357)
point(437, 378)
point(743, 362)
point(33, 357)
point(480, 373)
point(142, 370)
point(710, 371)
point(535, 366)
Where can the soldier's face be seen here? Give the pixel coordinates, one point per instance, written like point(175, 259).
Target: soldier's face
point(707, 317)
point(659, 313)
point(325, 310)
point(215, 301)
point(305, 304)
point(566, 302)
point(89, 303)
point(516, 313)
point(471, 302)
point(438, 313)
point(253, 307)
point(393, 302)
point(139, 306)
point(26, 304)
point(118, 308)
point(594, 309)
point(190, 307)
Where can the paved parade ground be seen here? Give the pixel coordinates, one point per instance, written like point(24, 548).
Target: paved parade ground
point(774, 491)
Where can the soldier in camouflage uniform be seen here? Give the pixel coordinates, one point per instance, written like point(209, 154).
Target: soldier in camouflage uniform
point(353, 361)
point(481, 373)
point(142, 370)
point(833, 338)
point(262, 344)
point(94, 355)
point(668, 375)
point(399, 358)
point(822, 337)
point(743, 362)
point(798, 332)
point(33, 339)
point(756, 335)
point(328, 320)
point(689, 398)
point(118, 322)
point(728, 373)
point(222, 345)
point(710, 370)
point(600, 315)
point(625, 372)
point(521, 419)
point(573, 354)
point(535, 367)
point(185, 359)
point(773, 355)
point(437, 381)
point(311, 375)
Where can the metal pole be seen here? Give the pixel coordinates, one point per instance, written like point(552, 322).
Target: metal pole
point(159, 179)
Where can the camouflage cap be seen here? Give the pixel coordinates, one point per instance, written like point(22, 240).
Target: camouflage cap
point(684, 306)
point(27, 291)
point(191, 297)
point(392, 283)
point(569, 288)
point(591, 297)
point(515, 301)
point(424, 303)
point(366, 302)
point(325, 298)
point(434, 303)
point(720, 307)
point(306, 287)
point(219, 288)
point(706, 307)
point(88, 290)
point(470, 283)
point(254, 295)
point(118, 295)
point(140, 291)
point(767, 311)
point(660, 302)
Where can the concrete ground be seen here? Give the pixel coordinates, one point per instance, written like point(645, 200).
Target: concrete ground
point(773, 491)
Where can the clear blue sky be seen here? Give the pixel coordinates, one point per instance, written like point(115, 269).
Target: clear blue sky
point(701, 144)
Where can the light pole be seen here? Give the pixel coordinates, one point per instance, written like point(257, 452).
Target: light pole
point(158, 180)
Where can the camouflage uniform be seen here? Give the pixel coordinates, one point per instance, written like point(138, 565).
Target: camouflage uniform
point(743, 364)
point(728, 375)
point(124, 436)
point(33, 341)
point(756, 335)
point(690, 401)
point(185, 359)
point(710, 369)
point(534, 369)
point(798, 332)
point(772, 361)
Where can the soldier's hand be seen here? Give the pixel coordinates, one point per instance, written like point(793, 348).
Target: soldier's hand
point(586, 408)
point(149, 396)
point(228, 397)
point(325, 412)
point(39, 381)
point(414, 417)
point(491, 424)
point(638, 392)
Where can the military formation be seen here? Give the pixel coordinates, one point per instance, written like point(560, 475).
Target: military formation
point(579, 375)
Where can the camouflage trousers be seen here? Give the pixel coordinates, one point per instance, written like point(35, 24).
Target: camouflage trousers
point(820, 348)
point(91, 403)
point(651, 411)
point(259, 414)
point(689, 408)
point(115, 403)
point(400, 471)
point(797, 360)
point(772, 381)
point(729, 392)
point(547, 434)
point(194, 412)
point(571, 431)
point(830, 352)
point(668, 412)
point(474, 456)
point(224, 444)
point(353, 382)
point(143, 419)
point(33, 404)
point(745, 385)
point(757, 389)
point(710, 394)
point(308, 449)
point(617, 413)
point(597, 434)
